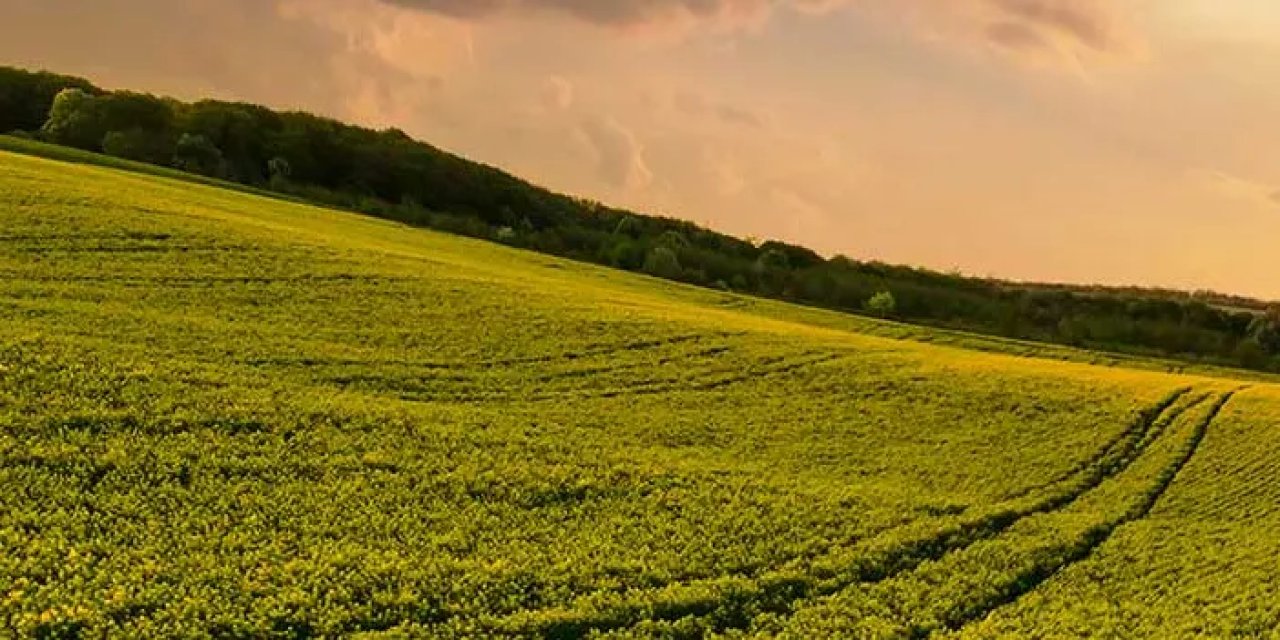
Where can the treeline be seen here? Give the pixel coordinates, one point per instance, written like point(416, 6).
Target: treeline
point(388, 174)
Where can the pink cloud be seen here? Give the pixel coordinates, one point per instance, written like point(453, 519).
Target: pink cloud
point(619, 155)
point(1089, 25)
point(1061, 29)
point(1071, 31)
point(628, 14)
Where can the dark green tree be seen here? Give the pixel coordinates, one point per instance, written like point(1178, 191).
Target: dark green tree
point(26, 97)
point(663, 263)
point(74, 120)
point(196, 154)
point(140, 145)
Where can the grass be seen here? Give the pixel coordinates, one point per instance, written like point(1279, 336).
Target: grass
point(760, 306)
point(224, 415)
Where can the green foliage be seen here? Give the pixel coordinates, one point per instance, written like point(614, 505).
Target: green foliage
point(137, 124)
point(278, 167)
point(673, 241)
point(196, 154)
point(1251, 354)
point(961, 589)
point(628, 225)
point(662, 262)
point(625, 254)
point(882, 304)
point(1265, 331)
point(387, 174)
point(26, 97)
point(1201, 543)
point(139, 145)
point(73, 121)
point(772, 259)
point(242, 135)
point(232, 416)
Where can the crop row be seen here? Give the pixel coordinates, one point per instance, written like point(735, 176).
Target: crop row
point(1200, 564)
point(278, 454)
point(736, 601)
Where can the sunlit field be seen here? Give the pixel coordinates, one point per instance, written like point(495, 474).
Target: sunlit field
point(228, 416)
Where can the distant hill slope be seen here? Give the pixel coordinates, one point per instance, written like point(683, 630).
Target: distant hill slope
point(389, 175)
point(223, 415)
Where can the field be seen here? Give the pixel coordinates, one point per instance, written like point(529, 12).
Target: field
point(228, 416)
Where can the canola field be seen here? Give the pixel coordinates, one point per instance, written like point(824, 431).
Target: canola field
point(227, 416)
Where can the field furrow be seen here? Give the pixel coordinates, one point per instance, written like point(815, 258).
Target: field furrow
point(965, 586)
point(720, 605)
point(223, 416)
point(1193, 566)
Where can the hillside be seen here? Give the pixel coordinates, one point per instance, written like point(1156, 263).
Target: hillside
point(390, 175)
point(232, 416)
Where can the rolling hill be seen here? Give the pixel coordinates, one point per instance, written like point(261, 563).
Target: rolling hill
point(388, 174)
point(229, 416)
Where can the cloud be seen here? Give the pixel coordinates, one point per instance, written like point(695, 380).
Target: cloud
point(417, 44)
point(797, 211)
point(619, 156)
point(721, 170)
point(730, 114)
point(1237, 188)
point(699, 105)
point(1086, 22)
point(557, 93)
point(1062, 26)
point(1040, 30)
point(1015, 36)
point(1070, 31)
point(629, 14)
point(232, 49)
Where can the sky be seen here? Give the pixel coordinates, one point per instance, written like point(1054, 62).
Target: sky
point(1087, 141)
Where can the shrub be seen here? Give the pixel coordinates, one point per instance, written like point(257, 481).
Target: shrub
point(663, 263)
point(882, 304)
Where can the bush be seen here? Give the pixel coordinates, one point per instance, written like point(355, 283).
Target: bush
point(882, 304)
point(663, 263)
point(1250, 353)
point(73, 120)
point(195, 154)
point(138, 145)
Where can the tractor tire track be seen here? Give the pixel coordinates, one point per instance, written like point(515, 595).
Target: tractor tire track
point(1127, 442)
point(1094, 537)
point(704, 381)
point(734, 606)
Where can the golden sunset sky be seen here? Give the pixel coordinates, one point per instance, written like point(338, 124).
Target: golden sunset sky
point(1109, 141)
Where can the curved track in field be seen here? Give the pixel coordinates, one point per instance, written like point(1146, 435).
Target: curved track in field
point(732, 602)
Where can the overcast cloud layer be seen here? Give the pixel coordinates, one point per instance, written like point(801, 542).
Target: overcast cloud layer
point(1128, 141)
